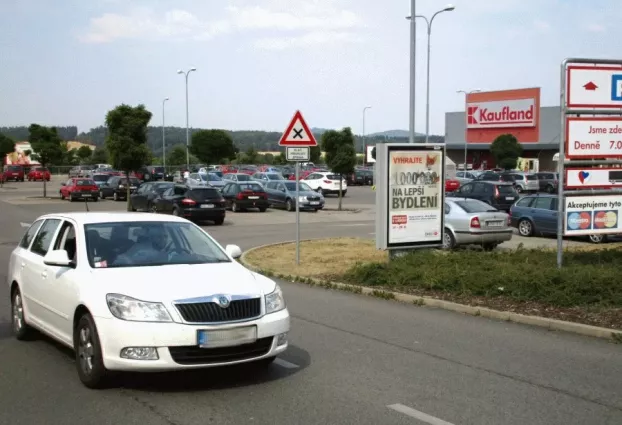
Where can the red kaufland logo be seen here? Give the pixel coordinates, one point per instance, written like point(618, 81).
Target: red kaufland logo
point(505, 113)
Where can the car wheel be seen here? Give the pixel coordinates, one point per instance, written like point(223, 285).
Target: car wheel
point(449, 242)
point(176, 212)
point(89, 361)
point(18, 319)
point(101, 194)
point(518, 189)
point(525, 228)
point(71, 199)
point(262, 209)
point(62, 196)
point(320, 190)
point(289, 205)
point(95, 199)
point(344, 193)
point(234, 207)
point(153, 208)
point(115, 196)
point(597, 238)
point(550, 189)
point(489, 246)
point(219, 222)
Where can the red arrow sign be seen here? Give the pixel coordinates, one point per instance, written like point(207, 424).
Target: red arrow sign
point(590, 86)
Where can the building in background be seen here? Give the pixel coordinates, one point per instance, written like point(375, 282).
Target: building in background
point(490, 114)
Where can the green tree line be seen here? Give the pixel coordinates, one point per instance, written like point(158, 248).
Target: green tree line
point(21, 133)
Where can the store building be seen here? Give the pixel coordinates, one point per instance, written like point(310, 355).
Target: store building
point(490, 114)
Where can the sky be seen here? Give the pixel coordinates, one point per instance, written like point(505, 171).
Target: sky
point(67, 62)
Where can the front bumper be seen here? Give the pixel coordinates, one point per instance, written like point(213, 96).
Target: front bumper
point(178, 341)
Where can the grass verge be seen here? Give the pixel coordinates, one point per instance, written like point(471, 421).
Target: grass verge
point(587, 290)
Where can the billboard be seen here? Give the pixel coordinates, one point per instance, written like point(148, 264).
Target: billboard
point(409, 195)
point(590, 215)
point(490, 114)
point(22, 155)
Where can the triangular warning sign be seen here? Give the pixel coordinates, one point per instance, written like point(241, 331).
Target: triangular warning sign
point(298, 133)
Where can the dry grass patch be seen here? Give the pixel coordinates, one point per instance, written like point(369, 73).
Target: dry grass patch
point(319, 259)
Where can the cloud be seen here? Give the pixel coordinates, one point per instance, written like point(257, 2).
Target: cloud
point(307, 18)
point(541, 26)
point(307, 40)
point(596, 28)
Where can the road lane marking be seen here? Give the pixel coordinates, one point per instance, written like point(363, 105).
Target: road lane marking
point(24, 224)
point(423, 417)
point(285, 364)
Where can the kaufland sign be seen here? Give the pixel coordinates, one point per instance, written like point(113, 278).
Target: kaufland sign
point(502, 114)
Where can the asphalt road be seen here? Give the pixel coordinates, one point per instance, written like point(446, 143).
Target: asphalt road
point(353, 360)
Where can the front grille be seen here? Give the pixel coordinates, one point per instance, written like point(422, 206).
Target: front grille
point(212, 313)
point(193, 354)
point(313, 198)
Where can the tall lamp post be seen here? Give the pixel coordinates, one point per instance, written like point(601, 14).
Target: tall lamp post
point(186, 74)
point(413, 63)
point(466, 93)
point(429, 22)
point(364, 145)
point(163, 136)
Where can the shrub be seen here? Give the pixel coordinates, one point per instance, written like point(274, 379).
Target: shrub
point(588, 278)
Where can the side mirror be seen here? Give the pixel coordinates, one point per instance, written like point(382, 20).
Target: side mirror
point(57, 257)
point(233, 251)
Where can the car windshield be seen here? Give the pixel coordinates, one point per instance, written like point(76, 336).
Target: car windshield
point(253, 187)
point(505, 188)
point(303, 186)
point(213, 177)
point(41, 169)
point(149, 243)
point(162, 187)
point(85, 182)
point(274, 176)
point(203, 194)
point(474, 206)
point(15, 168)
point(100, 177)
point(244, 178)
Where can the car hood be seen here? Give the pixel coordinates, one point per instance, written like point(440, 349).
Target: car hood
point(176, 282)
point(304, 193)
point(217, 183)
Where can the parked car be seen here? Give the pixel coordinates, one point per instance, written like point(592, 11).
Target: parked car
point(206, 179)
point(538, 214)
point(282, 194)
point(451, 185)
point(127, 292)
point(264, 178)
point(116, 188)
point(80, 171)
point(236, 177)
point(193, 203)
point(548, 182)
point(465, 177)
point(147, 193)
point(39, 173)
point(153, 173)
point(326, 183)
point(360, 177)
point(13, 173)
point(78, 188)
point(100, 179)
point(301, 176)
point(497, 194)
point(525, 182)
point(243, 196)
point(473, 222)
point(491, 176)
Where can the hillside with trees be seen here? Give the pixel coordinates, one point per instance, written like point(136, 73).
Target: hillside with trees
point(21, 133)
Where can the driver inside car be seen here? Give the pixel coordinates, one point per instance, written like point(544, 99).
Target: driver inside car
point(150, 248)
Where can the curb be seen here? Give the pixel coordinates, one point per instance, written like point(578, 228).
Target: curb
point(508, 316)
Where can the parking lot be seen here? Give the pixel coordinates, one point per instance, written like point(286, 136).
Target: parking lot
point(352, 359)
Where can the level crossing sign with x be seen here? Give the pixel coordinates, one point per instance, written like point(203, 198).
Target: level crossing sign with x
point(298, 133)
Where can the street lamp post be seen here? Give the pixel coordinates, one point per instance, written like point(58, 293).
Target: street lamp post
point(186, 74)
point(466, 124)
point(364, 145)
point(163, 136)
point(413, 63)
point(429, 22)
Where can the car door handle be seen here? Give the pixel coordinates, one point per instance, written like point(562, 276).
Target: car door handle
point(44, 275)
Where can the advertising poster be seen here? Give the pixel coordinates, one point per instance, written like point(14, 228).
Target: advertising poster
point(22, 155)
point(589, 215)
point(415, 196)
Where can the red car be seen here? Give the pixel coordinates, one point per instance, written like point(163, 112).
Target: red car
point(302, 175)
point(38, 173)
point(74, 189)
point(451, 185)
point(13, 172)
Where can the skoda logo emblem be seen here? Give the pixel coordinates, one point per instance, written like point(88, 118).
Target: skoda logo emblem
point(223, 301)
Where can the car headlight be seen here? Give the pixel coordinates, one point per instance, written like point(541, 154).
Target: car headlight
point(302, 199)
point(275, 301)
point(121, 186)
point(127, 308)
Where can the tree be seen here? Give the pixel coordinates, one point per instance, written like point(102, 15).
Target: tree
point(340, 153)
point(99, 156)
point(251, 156)
point(506, 150)
point(84, 153)
point(315, 155)
point(373, 153)
point(213, 146)
point(7, 146)
point(177, 155)
point(127, 139)
point(47, 144)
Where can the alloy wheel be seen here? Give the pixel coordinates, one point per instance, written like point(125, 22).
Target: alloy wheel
point(85, 350)
point(524, 228)
point(18, 313)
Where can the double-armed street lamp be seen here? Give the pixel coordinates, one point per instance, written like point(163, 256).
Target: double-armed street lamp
point(186, 74)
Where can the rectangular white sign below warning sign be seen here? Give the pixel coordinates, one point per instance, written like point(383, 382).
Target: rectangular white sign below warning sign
point(593, 138)
point(295, 153)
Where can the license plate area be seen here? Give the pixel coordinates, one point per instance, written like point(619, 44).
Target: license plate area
point(509, 198)
point(314, 203)
point(253, 197)
point(226, 337)
point(207, 206)
point(494, 223)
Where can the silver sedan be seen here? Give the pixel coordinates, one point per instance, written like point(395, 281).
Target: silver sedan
point(473, 222)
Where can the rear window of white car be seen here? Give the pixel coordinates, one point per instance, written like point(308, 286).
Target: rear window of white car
point(474, 206)
point(332, 176)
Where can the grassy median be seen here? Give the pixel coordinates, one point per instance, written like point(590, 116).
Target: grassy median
point(588, 289)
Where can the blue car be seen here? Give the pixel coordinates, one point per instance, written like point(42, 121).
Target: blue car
point(100, 179)
point(537, 214)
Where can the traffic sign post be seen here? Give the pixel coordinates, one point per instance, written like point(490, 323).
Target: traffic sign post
point(298, 141)
point(591, 135)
